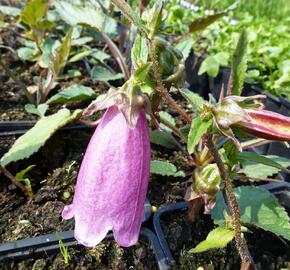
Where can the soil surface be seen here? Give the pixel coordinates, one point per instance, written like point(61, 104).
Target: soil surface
point(106, 256)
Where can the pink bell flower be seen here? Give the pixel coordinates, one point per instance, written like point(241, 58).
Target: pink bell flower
point(112, 181)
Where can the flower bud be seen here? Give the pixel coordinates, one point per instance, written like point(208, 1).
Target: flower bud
point(266, 124)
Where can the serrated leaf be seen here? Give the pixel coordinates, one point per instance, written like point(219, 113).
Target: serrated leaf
point(162, 138)
point(196, 100)
point(36, 137)
point(88, 15)
point(165, 168)
point(254, 170)
point(266, 160)
point(139, 52)
point(217, 238)
point(33, 11)
point(62, 53)
point(102, 74)
point(141, 73)
point(130, 14)
point(197, 130)
point(74, 92)
point(257, 207)
point(239, 65)
point(166, 117)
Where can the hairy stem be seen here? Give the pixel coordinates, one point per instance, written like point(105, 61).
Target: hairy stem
point(161, 88)
point(231, 201)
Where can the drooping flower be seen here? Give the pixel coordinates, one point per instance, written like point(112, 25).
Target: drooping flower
point(113, 178)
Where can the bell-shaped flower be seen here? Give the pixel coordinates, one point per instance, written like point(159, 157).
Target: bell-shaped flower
point(113, 177)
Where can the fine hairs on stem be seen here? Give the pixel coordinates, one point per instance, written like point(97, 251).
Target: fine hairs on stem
point(232, 204)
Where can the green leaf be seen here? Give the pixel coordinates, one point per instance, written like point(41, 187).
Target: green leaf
point(197, 130)
point(80, 56)
point(11, 11)
point(165, 168)
point(217, 238)
point(266, 160)
point(21, 174)
point(196, 100)
point(21, 177)
point(48, 46)
point(74, 92)
point(141, 73)
point(254, 170)
point(210, 66)
point(33, 12)
point(36, 137)
point(139, 52)
point(130, 14)
point(71, 73)
point(81, 41)
point(222, 58)
point(102, 74)
point(40, 110)
point(166, 117)
point(201, 23)
point(27, 53)
point(162, 138)
point(185, 47)
point(257, 207)
point(99, 55)
point(239, 65)
point(87, 14)
point(62, 53)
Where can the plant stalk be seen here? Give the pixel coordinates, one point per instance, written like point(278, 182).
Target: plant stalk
point(232, 204)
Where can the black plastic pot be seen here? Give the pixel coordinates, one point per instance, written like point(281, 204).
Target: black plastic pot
point(8, 128)
point(49, 244)
point(205, 85)
point(280, 190)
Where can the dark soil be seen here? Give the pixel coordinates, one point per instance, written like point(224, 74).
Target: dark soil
point(269, 252)
point(106, 256)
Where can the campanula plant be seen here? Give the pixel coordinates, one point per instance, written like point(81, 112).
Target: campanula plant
point(112, 182)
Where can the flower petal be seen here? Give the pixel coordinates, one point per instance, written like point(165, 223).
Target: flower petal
point(112, 182)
